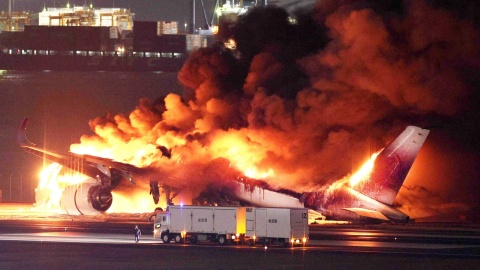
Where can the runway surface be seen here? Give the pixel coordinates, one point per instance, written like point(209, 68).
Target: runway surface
point(64, 250)
point(52, 241)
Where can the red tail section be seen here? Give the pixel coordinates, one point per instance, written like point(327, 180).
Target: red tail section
point(392, 165)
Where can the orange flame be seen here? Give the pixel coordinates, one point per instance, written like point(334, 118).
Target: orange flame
point(52, 183)
point(51, 186)
point(137, 202)
point(354, 179)
point(364, 171)
point(245, 156)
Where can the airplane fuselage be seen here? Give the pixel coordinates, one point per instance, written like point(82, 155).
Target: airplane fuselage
point(347, 203)
point(372, 199)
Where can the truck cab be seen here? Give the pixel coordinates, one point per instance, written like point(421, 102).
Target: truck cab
point(160, 224)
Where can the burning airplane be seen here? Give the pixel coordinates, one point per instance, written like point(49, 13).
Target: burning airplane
point(294, 106)
point(369, 194)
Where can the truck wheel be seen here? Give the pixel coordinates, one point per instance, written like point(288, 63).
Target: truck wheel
point(222, 240)
point(178, 238)
point(166, 238)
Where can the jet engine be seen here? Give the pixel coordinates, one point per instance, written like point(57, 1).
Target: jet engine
point(87, 198)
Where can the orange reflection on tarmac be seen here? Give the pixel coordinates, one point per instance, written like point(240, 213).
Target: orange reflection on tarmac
point(25, 211)
point(363, 244)
point(361, 233)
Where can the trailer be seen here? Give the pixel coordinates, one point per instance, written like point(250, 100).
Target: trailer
point(283, 226)
point(200, 223)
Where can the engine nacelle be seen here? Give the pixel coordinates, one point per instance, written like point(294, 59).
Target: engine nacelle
point(86, 199)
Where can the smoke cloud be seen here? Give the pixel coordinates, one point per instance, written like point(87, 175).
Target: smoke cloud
point(303, 104)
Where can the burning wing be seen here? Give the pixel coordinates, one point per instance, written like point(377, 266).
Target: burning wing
point(94, 194)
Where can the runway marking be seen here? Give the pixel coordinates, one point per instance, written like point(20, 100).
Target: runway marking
point(76, 238)
point(388, 244)
point(101, 238)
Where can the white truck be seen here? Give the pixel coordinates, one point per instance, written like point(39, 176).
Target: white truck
point(200, 223)
point(284, 226)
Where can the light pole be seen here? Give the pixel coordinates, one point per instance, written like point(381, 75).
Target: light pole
point(21, 187)
point(10, 187)
point(11, 6)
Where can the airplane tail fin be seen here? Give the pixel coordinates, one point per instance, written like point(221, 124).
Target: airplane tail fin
point(392, 165)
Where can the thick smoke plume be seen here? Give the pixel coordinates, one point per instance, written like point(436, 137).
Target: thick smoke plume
point(303, 104)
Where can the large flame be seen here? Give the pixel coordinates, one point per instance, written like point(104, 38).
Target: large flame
point(352, 180)
point(53, 181)
point(292, 110)
point(52, 184)
point(364, 171)
point(132, 203)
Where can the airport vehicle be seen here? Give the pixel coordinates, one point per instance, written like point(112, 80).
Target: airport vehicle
point(370, 199)
point(284, 226)
point(200, 223)
point(252, 225)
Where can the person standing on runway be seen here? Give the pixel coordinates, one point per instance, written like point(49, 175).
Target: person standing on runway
point(137, 234)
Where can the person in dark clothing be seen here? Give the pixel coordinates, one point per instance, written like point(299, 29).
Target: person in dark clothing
point(137, 234)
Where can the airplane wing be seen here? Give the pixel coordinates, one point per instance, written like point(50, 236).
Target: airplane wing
point(362, 212)
point(109, 170)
